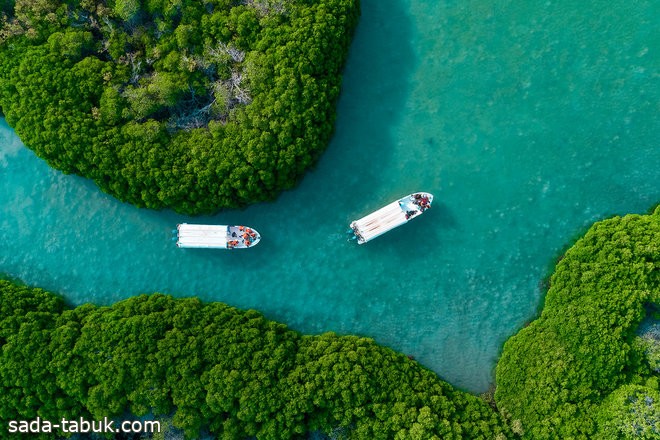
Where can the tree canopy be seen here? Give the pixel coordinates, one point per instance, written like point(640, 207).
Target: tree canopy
point(580, 371)
point(215, 367)
point(191, 105)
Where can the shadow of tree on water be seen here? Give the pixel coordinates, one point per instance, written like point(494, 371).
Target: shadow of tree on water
point(374, 90)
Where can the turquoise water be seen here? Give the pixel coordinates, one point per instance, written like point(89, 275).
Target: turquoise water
point(527, 121)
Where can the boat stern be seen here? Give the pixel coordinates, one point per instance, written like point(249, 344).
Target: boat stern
point(356, 232)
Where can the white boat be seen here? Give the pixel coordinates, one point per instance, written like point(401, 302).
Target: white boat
point(390, 216)
point(216, 236)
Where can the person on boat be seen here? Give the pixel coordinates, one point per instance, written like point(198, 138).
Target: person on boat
point(420, 201)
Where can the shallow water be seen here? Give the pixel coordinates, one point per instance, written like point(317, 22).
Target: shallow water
point(527, 121)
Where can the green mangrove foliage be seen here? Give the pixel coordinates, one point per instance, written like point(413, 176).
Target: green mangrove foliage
point(232, 372)
point(579, 371)
point(192, 105)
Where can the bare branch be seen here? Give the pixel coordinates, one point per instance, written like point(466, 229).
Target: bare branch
point(267, 7)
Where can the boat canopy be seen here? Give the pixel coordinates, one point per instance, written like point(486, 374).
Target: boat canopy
point(381, 221)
